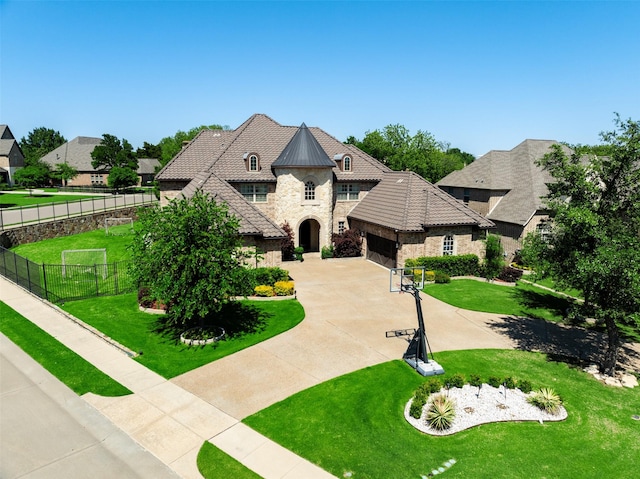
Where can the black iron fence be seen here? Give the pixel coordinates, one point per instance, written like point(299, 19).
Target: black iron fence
point(59, 283)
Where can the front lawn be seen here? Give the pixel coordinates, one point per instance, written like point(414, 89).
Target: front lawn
point(120, 318)
point(78, 374)
point(522, 300)
point(355, 424)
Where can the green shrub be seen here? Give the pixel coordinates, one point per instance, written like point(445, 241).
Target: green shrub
point(494, 381)
point(453, 265)
point(546, 399)
point(509, 382)
point(442, 278)
point(417, 404)
point(284, 288)
point(441, 412)
point(298, 252)
point(475, 380)
point(524, 386)
point(456, 381)
point(327, 252)
point(264, 290)
point(433, 385)
point(268, 276)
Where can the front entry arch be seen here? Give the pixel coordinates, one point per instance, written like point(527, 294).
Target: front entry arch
point(309, 235)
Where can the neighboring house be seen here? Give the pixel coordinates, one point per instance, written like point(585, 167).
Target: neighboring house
point(77, 154)
point(11, 157)
point(507, 187)
point(271, 174)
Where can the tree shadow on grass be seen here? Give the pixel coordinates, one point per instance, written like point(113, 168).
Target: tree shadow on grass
point(237, 319)
point(531, 300)
point(572, 345)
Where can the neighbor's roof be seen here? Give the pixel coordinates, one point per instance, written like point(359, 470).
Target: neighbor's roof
point(9, 144)
point(252, 220)
point(225, 153)
point(406, 202)
point(76, 153)
point(514, 172)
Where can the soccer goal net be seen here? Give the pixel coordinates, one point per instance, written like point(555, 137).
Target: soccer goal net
point(118, 226)
point(83, 262)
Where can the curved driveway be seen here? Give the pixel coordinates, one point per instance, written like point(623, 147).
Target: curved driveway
point(348, 309)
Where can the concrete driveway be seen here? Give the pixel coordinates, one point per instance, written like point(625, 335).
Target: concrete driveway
point(349, 309)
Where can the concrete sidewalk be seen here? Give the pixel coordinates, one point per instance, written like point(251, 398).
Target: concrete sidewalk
point(166, 420)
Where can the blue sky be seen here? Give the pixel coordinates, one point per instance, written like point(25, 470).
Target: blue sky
point(479, 75)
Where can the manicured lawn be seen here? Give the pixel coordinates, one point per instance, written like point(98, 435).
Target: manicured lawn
point(215, 464)
point(549, 283)
point(522, 300)
point(8, 200)
point(49, 251)
point(355, 424)
point(120, 318)
point(67, 366)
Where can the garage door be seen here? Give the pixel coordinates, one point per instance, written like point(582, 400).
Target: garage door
point(381, 250)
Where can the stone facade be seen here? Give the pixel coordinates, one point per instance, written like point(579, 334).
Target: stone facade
point(292, 206)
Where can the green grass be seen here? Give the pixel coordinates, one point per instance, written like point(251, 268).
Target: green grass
point(355, 424)
point(9, 200)
point(50, 251)
point(78, 374)
point(119, 318)
point(550, 283)
point(215, 464)
point(522, 300)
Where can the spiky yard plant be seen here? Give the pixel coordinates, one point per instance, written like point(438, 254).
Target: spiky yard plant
point(546, 399)
point(441, 412)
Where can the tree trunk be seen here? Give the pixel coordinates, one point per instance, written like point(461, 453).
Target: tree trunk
point(611, 353)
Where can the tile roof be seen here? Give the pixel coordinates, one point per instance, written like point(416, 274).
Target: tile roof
point(303, 151)
point(252, 220)
point(260, 135)
point(406, 202)
point(76, 153)
point(514, 171)
point(147, 166)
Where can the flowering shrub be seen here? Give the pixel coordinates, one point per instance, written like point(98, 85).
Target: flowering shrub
point(264, 290)
point(283, 288)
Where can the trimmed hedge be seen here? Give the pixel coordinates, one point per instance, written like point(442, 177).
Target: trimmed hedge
point(459, 265)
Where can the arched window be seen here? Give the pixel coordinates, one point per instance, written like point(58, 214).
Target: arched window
point(447, 245)
point(309, 190)
point(346, 163)
point(253, 163)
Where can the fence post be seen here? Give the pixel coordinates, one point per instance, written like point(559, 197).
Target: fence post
point(68, 212)
point(115, 276)
point(15, 267)
point(44, 281)
point(95, 275)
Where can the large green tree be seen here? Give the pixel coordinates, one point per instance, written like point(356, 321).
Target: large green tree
point(120, 177)
point(64, 172)
point(189, 254)
point(112, 152)
point(421, 153)
point(38, 143)
point(595, 241)
point(32, 176)
point(149, 150)
point(171, 145)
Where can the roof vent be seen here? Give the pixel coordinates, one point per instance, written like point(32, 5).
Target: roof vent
point(400, 180)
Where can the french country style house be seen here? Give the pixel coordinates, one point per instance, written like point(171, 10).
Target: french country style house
point(508, 188)
point(271, 175)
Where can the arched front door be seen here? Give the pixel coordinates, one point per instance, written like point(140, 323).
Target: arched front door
point(309, 235)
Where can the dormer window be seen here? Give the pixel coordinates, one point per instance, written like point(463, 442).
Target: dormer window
point(252, 161)
point(343, 161)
